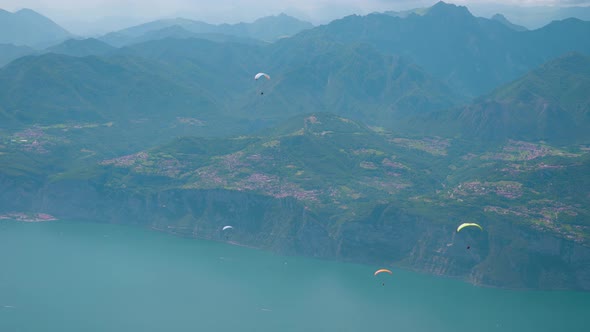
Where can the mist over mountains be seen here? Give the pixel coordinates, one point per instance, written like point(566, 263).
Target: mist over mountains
point(422, 117)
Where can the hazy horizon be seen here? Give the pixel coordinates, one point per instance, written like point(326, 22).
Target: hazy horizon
point(101, 16)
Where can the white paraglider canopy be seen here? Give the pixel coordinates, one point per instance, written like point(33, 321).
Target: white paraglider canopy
point(259, 75)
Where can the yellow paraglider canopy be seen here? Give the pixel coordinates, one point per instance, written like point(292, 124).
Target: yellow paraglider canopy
point(382, 270)
point(468, 224)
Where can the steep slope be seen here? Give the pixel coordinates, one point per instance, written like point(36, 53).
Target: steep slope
point(549, 103)
point(27, 27)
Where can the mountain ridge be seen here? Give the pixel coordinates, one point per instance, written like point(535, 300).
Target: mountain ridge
point(267, 29)
point(471, 54)
point(29, 28)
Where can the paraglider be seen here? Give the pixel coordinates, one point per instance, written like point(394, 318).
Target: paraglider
point(259, 75)
point(468, 224)
point(382, 271)
point(225, 231)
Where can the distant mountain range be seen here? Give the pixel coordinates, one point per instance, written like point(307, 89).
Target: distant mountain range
point(28, 28)
point(473, 55)
point(527, 16)
point(317, 70)
point(267, 29)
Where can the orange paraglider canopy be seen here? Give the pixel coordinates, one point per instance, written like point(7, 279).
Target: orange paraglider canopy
point(382, 270)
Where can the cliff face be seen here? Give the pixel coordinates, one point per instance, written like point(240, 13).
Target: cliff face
point(505, 255)
point(259, 221)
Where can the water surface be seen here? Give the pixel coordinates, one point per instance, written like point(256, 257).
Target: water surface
point(67, 276)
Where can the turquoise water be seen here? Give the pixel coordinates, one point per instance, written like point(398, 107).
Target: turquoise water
point(67, 276)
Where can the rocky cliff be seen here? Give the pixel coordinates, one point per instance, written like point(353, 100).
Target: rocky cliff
point(505, 255)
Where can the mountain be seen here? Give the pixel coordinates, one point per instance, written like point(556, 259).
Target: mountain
point(81, 47)
point(473, 55)
point(9, 52)
point(27, 27)
point(549, 103)
point(502, 19)
point(264, 29)
point(310, 72)
point(353, 80)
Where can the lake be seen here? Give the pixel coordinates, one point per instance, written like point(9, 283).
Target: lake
point(68, 276)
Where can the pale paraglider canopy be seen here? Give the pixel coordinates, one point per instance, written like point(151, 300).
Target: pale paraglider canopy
point(227, 227)
point(382, 270)
point(259, 75)
point(468, 224)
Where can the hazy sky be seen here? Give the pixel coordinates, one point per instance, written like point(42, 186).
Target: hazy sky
point(109, 13)
point(234, 10)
